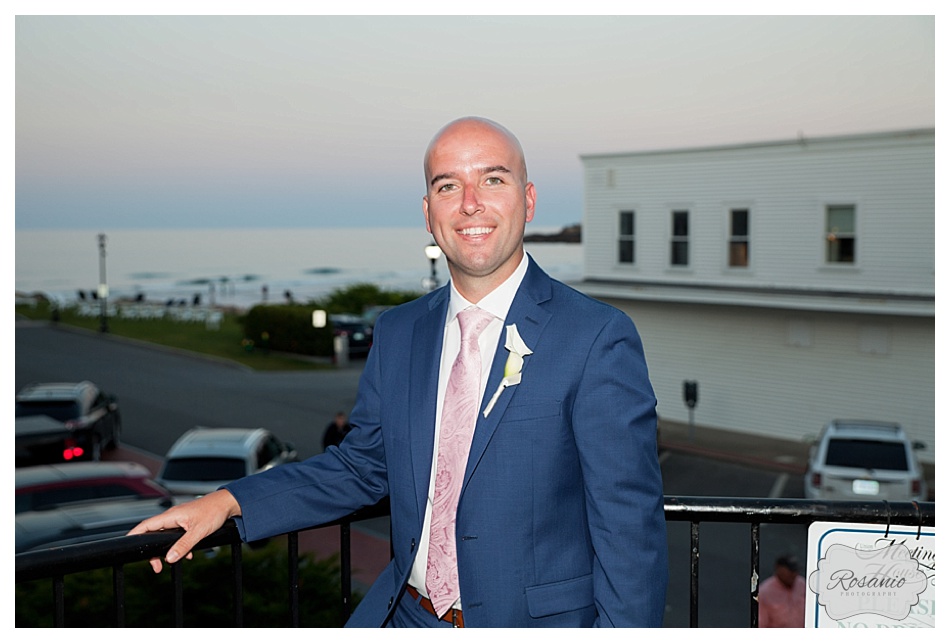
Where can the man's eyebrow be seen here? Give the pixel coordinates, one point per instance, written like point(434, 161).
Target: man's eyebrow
point(441, 177)
point(487, 170)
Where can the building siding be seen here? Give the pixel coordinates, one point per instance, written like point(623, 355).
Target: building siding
point(791, 342)
point(753, 379)
point(786, 188)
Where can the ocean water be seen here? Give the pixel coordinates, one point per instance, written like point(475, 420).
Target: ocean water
point(241, 267)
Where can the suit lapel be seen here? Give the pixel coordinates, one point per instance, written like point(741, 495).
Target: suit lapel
point(530, 318)
point(424, 361)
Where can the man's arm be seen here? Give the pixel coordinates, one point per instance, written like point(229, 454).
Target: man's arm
point(199, 518)
point(614, 420)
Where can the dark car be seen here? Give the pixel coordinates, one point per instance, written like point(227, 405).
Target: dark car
point(64, 421)
point(358, 332)
point(48, 486)
point(84, 521)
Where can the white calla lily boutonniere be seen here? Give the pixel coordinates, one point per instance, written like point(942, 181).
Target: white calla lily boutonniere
point(517, 351)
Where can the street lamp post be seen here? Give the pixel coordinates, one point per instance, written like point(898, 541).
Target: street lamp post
point(103, 292)
point(433, 252)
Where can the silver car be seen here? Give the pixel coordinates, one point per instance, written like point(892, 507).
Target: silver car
point(864, 460)
point(203, 459)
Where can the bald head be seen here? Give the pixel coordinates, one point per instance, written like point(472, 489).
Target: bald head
point(475, 128)
point(477, 202)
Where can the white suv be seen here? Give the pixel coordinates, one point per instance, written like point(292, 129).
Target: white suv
point(203, 459)
point(864, 460)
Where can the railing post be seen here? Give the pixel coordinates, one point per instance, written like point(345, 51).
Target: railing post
point(177, 596)
point(346, 576)
point(293, 574)
point(118, 594)
point(238, 570)
point(59, 602)
point(754, 597)
point(694, 574)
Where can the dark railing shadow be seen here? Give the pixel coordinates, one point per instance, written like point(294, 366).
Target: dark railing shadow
point(115, 553)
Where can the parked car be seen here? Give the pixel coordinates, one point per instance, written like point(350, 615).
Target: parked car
point(357, 331)
point(64, 421)
point(864, 460)
point(84, 521)
point(203, 459)
point(49, 486)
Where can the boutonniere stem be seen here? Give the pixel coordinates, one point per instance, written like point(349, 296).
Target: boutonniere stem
point(517, 351)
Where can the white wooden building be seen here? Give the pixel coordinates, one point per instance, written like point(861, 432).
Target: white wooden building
point(793, 280)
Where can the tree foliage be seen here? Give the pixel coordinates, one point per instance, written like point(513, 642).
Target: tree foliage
point(360, 297)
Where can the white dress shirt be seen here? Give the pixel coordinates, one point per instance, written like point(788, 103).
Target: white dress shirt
point(497, 303)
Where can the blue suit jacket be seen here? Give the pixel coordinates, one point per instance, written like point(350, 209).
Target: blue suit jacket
point(560, 520)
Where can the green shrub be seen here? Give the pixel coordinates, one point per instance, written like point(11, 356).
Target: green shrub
point(288, 328)
point(207, 584)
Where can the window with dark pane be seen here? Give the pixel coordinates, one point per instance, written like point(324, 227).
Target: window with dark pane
point(679, 244)
point(625, 238)
point(739, 238)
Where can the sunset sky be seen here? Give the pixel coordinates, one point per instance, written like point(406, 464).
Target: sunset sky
point(316, 121)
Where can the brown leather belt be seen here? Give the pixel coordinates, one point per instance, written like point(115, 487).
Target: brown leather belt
point(453, 616)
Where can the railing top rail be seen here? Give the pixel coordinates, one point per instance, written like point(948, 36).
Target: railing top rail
point(70, 559)
point(797, 511)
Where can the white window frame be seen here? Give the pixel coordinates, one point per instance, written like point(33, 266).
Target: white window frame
point(826, 233)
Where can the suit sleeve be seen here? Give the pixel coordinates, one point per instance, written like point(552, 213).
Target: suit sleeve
point(325, 487)
point(614, 423)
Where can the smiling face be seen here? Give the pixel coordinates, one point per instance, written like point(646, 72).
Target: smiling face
point(477, 203)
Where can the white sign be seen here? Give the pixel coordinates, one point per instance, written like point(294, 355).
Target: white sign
point(864, 575)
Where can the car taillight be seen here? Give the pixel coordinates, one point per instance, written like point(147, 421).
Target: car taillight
point(915, 487)
point(72, 451)
point(816, 479)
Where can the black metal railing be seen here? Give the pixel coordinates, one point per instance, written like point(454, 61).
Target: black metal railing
point(115, 553)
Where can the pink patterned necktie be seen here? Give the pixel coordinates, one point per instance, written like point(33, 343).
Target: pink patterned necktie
point(459, 412)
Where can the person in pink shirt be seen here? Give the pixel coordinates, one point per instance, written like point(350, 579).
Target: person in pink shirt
point(782, 596)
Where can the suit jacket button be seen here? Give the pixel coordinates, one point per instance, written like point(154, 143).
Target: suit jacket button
point(412, 545)
point(390, 602)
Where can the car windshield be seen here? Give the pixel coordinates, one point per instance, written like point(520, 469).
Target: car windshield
point(204, 469)
point(62, 411)
point(867, 454)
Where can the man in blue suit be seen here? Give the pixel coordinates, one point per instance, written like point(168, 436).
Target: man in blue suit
point(559, 519)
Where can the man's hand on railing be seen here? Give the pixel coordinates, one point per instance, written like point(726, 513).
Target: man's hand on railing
point(199, 518)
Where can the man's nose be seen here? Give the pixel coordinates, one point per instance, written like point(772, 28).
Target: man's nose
point(470, 201)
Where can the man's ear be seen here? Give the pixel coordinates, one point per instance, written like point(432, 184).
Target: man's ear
point(425, 212)
point(529, 199)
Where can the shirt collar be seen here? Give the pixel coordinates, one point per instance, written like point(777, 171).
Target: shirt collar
point(497, 302)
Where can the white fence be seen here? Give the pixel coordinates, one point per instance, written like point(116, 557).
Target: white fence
point(186, 314)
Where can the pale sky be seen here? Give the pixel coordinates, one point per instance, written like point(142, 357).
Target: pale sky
point(321, 121)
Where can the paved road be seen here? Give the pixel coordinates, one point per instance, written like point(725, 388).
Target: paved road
point(163, 393)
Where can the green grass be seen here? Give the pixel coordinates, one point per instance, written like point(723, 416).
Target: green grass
point(225, 342)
